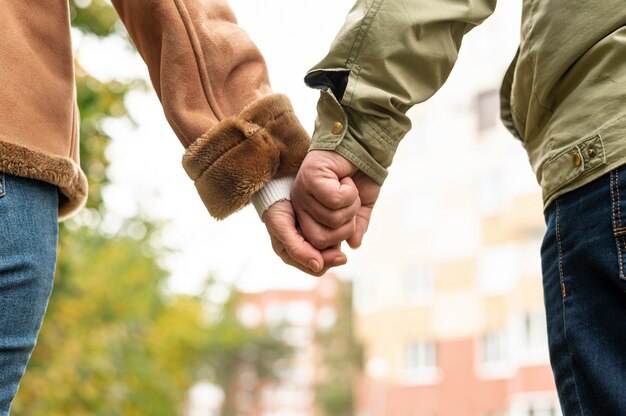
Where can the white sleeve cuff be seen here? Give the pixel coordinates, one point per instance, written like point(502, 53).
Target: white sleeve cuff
point(274, 191)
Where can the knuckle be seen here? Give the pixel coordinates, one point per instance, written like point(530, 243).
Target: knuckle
point(327, 218)
point(320, 242)
point(351, 192)
point(335, 220)
point(335, 200)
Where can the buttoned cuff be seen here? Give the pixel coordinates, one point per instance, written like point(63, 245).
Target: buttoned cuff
point(353, 136)
point(273, 191)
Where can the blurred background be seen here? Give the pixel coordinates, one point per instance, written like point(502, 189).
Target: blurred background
point(160, 310)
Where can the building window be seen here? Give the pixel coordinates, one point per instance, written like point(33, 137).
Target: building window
point(494, 361)
point(274, 313)
point(299, 312)
point(326, 317)
point(488, 107)
point(418, 283)
point(535, 406)
point(533, 338)
point(421, 362)
point(535, 335)
point(544, 410)
point(494, 348)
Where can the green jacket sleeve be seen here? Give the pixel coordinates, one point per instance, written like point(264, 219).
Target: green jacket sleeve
point(389, 56)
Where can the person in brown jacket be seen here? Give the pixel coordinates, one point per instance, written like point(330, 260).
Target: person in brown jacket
point(243, 142)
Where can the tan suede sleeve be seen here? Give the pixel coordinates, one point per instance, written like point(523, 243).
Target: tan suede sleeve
point(213, 84)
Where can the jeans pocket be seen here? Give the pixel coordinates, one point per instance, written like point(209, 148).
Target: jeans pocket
point(3, 188)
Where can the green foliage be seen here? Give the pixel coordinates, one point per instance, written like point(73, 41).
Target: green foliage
point(112, 342)
point(97, 102)
point(341, 361)
point(96, 17)
point(100, 348)
point(236, 349)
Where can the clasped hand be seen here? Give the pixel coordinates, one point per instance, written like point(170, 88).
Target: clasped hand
point(331, 202)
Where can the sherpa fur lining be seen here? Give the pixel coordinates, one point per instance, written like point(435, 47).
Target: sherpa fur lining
point(239, 155)
point(62, 172)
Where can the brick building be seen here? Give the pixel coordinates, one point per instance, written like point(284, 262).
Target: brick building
point(295, 316)
point(448, 295)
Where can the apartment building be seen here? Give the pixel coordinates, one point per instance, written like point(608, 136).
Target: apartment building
point(461, 336)
point(448, 294)
point(296, 316)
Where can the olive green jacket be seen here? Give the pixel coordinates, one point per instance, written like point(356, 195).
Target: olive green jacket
point(564, 95)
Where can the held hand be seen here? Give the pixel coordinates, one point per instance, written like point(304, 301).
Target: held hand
point(326, 199)
point(292, 248)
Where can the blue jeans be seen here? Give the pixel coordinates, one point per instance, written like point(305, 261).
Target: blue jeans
point(28, 246)
point(584, 264)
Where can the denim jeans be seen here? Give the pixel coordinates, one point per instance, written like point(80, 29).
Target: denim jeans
point(28, 246)
point(584, 262)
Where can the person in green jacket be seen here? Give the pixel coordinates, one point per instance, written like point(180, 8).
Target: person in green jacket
point(563, 97)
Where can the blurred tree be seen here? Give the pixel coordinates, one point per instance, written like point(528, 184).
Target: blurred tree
point(341, 360)
point(95, 17)
point(230, 361)
point(112, 343)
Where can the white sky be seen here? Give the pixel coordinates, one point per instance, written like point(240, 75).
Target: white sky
point(146, 161)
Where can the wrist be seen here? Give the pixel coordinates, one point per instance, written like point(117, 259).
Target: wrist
point(278, 189)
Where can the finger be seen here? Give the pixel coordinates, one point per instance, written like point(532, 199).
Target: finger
point(301, 250)
point(332, 192)
point(329, 217)
point(333, 257)
point(322, 237)
point(281, 251)
point(362, 223)
point(280, 221)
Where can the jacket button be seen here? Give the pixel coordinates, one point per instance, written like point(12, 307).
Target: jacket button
point(578, 160)
point(591, 151)
point(337, 128)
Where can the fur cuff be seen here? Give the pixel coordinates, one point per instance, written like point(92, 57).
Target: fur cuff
point(63, 172)
point(238, 156)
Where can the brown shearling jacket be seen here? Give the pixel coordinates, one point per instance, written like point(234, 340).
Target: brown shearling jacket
point(210, 77)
